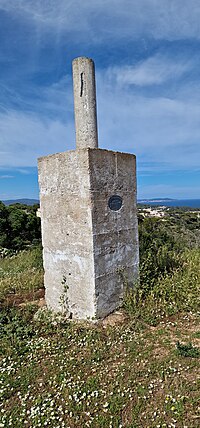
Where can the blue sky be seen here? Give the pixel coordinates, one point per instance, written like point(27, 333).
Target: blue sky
point(148, 87)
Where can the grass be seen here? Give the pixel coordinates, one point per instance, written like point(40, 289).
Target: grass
point(142, 373)
point(20, 276)
point(170, 293)
point(79, 375)
point(187, 350)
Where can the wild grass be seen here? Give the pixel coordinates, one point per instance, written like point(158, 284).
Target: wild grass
point(78, 375)
point(142, 373)
point(21, 274)
point(168, 293)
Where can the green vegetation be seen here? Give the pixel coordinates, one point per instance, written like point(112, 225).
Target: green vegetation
point(65, 375)
point(187, 350)
point(168, 293)
point(19, 226)
point(169, 267)
point(21, 276)
point(140, 373)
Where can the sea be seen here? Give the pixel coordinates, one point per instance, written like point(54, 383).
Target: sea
point(190, 203)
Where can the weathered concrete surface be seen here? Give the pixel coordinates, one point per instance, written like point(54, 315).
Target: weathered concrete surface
point(67, 233)
point(85, 241)
point(85, 103)
point(115, 233)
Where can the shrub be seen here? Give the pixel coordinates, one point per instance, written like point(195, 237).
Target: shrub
point(167, 293)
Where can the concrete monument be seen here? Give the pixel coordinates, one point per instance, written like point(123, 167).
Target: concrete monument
point(88, 215)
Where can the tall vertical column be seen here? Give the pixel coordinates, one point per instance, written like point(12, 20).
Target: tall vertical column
point(85, 103)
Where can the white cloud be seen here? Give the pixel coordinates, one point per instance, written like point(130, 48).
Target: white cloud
point(54, 100)
point(168, 191)
point(24, 171)
point(134, 115)
point(41, 126)
point(111, 19)
point(157, 129)
point(155, 70)
point(25, 137)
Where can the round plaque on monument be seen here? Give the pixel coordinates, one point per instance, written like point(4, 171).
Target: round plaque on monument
point(115, 202)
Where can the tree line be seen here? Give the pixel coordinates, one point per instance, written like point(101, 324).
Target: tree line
point(19, 226)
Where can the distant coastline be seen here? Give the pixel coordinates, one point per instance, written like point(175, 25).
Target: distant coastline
point(167, 202)
point(25, 201)
point(158, 200)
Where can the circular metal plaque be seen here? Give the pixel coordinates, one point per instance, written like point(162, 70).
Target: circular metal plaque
point(115, 203)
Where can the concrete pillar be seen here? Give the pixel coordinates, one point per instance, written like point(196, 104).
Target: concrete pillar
point(88, 216)
point(85, 103)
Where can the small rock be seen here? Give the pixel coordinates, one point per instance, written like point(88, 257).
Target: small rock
point(115, 318)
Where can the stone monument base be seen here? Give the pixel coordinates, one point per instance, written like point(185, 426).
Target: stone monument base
point(89, 230)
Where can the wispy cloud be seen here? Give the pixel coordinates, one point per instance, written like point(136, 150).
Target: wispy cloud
point(148, 104)
point(38, 125)
point(25, 137)
point(169, 190)
point(172, 20)
point(155, 70)
point(156, 128)
point(6, 176)
point(24, 171)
